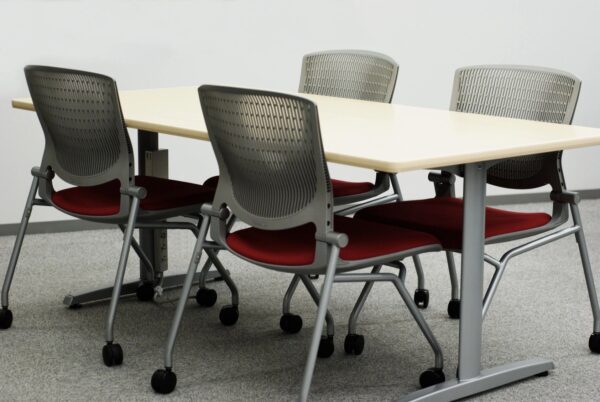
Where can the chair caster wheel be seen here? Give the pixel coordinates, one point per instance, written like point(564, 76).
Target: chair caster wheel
point(422, 298)
point(6, 318)
point(326, 347)
point(145, 292)
point(313, 276)
point(112, 354)
point(542, 374)
point(290, 323)
point(594, 342)
point(454, 308)
point(431, 376)
point(75, 306)
point(206, 297)
point(354, 344)
point(229, 315)
point(164, 381)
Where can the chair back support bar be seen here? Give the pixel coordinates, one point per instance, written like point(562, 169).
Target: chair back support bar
point(86, 139)
point(273, 173)
point(520, 92)
point(354, 74)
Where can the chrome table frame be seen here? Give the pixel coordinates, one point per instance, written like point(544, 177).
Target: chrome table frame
point(471, 378)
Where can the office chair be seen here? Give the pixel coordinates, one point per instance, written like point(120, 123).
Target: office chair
point(274, 177)
point(362, 75)
point(87, 146)
point(519, 92)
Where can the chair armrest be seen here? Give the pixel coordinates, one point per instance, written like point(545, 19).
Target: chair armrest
point(443, 183)
point(134, 191)
point(565, 197)
point(37, 171)
point(207, 209)
point(336, 239)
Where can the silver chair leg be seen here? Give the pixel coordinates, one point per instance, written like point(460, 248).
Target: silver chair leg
point(402, 273)
point(164, 380)
point(140, 253)
point(589, 278)
point(430, 376)
point(112, 353)
point(499, 269)
point(206, 267)
point(414, 311)
point(187, 285)
point(360, 302)
point(421, 296)
point(5, 313)
point(455, 290)
point(287, 299)
point(318, 330)
point(316, 298)
point(212, 256)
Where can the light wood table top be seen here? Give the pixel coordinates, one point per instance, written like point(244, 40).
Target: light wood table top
point(385, 137)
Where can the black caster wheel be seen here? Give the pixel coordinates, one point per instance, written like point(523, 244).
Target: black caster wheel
point(6, 318)
point(354, 344)
point(422, 298)
point(112, 354)
point(313, 276)
point(454, 308)
point(76, 306)
point(594, 342)
point(145, 292)
point(431, 376)
point(542, 374)
point(326, 347)
point(290, 323)
point(206, 297)
point(229, 315)
point(164, 381)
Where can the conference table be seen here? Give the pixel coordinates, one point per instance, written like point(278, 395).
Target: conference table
point(396, 138)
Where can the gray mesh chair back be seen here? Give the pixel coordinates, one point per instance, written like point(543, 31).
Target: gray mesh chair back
point(86, 139)
point(520, 92)
point(353, 74)
point(273, 173)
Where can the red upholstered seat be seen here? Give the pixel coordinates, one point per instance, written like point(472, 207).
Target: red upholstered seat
point(104, 199)
point(340, 188)
point(297, 246)
point(212, 182)
point(443, 217)
point(343, 188)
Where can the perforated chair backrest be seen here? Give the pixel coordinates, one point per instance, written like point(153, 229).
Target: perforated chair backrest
point(86, 139)
point(354, 74)
point(273, 173)
point(521, 92)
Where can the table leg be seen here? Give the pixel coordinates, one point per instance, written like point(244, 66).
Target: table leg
point(471, 379)
point(153, 243)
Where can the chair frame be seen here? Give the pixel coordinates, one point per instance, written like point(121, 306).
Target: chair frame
point(318, 210)
point(382, 179)
point(563, 201)
point(129, 217)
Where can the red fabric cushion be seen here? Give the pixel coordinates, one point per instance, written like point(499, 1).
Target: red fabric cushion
point(212, 182)
point(104, 199)
point(443, 217)
point(297, 246)
point(340, 187)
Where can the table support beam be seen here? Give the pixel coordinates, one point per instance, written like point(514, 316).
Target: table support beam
point(471, 379)
point(129, 289)
point(469, 359)
point(148, 141)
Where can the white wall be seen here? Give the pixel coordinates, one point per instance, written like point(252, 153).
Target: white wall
point(161, 43)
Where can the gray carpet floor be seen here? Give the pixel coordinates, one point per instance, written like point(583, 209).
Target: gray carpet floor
point(53, 353)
